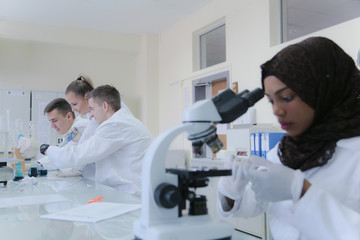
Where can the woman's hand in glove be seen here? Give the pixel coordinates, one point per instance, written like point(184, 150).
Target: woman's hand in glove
point(274, 182)
point(233, 186)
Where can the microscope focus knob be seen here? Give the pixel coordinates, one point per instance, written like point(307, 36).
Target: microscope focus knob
point(167, 195)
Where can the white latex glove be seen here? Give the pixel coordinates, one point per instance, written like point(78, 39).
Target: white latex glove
point(29, 147)
point(274, 182)
point(233, 186)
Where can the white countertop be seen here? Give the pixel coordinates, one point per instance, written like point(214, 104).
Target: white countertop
point(24, 222)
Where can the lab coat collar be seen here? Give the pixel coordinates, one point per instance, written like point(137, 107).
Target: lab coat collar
point(113, 117)
point(71, 128)
point(349, 143)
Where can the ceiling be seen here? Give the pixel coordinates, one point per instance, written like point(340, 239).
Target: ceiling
point(116, 16)
point(153, 16)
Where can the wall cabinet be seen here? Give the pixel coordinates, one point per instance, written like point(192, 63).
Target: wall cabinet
point(22, 111)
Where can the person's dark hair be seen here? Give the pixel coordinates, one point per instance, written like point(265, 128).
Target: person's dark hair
point(81, 86)
point(327, 80)
point(61, 105)
point(106, 93)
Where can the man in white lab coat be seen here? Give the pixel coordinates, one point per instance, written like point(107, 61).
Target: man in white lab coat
point(63, 120)
point(117, 148)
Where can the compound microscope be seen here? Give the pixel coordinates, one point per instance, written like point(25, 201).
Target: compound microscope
point(165, 191)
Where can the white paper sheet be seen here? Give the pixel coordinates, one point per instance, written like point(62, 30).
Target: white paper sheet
point(31, 200)
point(93, 212)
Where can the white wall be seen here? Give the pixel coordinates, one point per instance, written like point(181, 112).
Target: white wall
point(248, 46)
point(35, 57)
point(28, 64)
point(147, 84)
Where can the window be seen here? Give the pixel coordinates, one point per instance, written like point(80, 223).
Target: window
point(212, 47)
point(209, 45)
point(302, 17)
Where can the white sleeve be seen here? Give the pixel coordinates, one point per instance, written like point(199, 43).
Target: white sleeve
point(333, 220)
point(47, 163)
point(107, 140)
point(245, 207)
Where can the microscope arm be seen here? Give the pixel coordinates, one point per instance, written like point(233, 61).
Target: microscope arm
point(154, 174)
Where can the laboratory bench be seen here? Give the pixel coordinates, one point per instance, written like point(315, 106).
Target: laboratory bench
point(24, 221)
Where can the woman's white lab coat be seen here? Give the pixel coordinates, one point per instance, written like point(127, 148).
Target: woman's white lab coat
point(330, 209)
point(117, 148)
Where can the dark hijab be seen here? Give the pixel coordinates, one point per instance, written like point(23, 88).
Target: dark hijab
point(326, 79)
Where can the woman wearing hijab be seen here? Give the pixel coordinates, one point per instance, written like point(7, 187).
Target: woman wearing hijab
point(311, 185)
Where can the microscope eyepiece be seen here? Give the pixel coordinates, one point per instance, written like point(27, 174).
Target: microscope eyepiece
point(231, 106)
